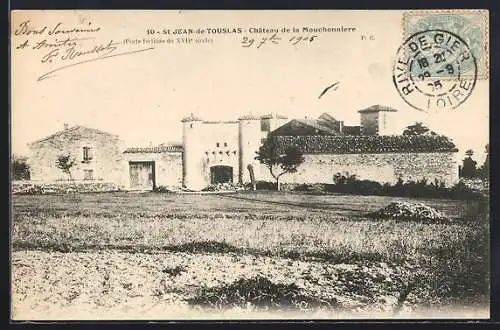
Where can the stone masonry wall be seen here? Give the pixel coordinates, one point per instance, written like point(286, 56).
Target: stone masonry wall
point(384, 167)
point(369, 123)
point(107, 163)
point(168, 166)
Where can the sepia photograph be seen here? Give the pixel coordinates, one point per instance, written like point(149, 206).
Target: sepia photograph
point(246, 165)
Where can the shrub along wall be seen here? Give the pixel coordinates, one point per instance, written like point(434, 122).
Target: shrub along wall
point(351, 185)
point(33, 188)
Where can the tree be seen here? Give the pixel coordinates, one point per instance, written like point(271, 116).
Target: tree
point(484, 170)
point(277, 162)
point(418, 129)
point(20, 169)
point(66, 163)
point(469, 165)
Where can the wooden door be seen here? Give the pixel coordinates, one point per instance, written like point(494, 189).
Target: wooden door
point(142, 175)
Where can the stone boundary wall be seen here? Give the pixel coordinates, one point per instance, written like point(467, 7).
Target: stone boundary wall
point(383, 167)
point(44, 188)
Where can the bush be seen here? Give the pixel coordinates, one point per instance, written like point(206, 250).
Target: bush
point(262, 185)
point(227, 186)
point(367, 187)
point(462, 191)
point(348, 184)
point(342, 179)
point(257, 292)
point(345, 183)
point(20, 170)
point(312, 188)
point(161, 189)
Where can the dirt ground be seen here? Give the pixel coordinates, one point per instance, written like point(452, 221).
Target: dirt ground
point(119, 285)
point(149, 256)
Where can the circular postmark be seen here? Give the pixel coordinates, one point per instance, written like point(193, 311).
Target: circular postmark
point(434, 70)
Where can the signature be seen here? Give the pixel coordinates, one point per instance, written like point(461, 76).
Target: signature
point(76, 56)
point(73, 51)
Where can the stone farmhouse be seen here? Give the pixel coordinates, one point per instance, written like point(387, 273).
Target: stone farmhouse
point(221, 151)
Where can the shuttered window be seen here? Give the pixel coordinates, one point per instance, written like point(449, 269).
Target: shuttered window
point(87, 154)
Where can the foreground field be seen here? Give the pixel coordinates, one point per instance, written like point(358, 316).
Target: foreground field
point(128, 253)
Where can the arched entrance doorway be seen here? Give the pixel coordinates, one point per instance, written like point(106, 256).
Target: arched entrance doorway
point(221, 174)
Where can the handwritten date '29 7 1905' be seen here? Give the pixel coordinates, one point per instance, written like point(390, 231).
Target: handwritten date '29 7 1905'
point(275, 39)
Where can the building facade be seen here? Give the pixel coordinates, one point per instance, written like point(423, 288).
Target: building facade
point(218, 152)
point(97, 156)
point(151, 167)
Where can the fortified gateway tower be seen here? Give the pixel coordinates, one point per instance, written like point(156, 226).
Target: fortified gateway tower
point(221, 151)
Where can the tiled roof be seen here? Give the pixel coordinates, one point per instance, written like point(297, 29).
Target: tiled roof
point(220, 122)
point(156, 149)
point(351, 144)
point(249, 116)
point(191, 117)
point(377, 108)
point(317, 124)
point(273, 115)
point(69, 130)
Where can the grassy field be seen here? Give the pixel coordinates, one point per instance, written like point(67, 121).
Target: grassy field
point(206, 246)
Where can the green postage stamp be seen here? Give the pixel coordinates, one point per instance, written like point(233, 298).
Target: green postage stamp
point(470, 25)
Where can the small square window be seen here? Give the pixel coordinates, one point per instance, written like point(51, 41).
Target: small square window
point(225, 144)
point(217, 144)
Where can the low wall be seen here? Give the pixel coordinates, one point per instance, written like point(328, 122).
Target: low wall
point(42, 188)
point(382, 167)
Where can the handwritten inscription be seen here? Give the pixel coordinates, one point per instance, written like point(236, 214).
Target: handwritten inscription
point(66, 46)
point(27, 28)
point(276, 39)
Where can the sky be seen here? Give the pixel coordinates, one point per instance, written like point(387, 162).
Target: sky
point(143, 96)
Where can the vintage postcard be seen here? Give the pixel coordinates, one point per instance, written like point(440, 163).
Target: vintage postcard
point(194, 165)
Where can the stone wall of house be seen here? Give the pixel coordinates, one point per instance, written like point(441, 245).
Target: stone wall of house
point(383, 167)
point(168, 166)
point(107, 163)
point(369, 123)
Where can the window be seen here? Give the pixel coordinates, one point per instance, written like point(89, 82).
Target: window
point(88, 174)
point(87, 154)
point(217, 144)
point(225, 144)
